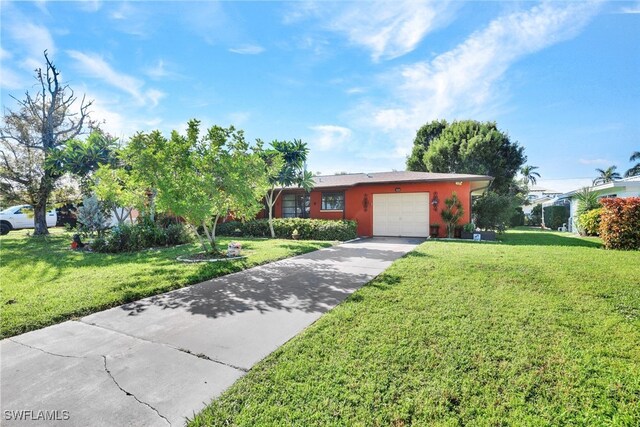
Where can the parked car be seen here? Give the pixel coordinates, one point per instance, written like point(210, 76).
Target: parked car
point(20, 217)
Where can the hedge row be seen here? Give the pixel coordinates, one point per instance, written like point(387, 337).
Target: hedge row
point(308, 229)
point(620, 223)
point(142, 235)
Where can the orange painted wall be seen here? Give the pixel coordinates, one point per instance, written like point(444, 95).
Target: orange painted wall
point(354, 197)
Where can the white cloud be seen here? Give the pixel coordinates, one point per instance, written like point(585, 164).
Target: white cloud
point(34, 40)
point(465, 81)
point(249, 49)
point(4, 54)
point(95, 66)
point(355, 90)
point(329, 136)
point(90, 5)
point(633, 9)
point(11, 80)
point(595, 162)
point(387, 29)
point(161, 70)
point(239, 118)
point(119, 119)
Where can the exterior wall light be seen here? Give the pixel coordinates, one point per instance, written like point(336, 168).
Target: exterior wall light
point(435, 201)
point(365, 202)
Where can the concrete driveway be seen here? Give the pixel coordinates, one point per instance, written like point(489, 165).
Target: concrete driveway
point(159, 360)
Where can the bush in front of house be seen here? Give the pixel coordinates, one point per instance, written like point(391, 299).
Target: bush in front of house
point(620, 223)
point(494, 211)
point(517, 217)
point(556, 216)
point(142, 235)
point(308, 229)
point(589, 222)
point(536, 216)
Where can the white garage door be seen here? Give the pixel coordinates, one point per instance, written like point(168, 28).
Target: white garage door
point(401, 214)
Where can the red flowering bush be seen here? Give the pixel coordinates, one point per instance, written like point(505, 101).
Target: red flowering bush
point(620, 223)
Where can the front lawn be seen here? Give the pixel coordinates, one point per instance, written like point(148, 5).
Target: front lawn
point(541, 329)
point(44, 282)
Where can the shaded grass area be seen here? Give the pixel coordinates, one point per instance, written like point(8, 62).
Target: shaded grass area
point(540, 329)
point(44, 282)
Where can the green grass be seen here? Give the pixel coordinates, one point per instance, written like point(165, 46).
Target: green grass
point(44, 282)
point(541, 329)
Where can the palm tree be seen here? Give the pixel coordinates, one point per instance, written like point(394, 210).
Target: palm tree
point(607, 175)
point(529, 174)
point(635, 170)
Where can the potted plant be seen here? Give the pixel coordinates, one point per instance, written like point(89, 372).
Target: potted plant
point(434, 230)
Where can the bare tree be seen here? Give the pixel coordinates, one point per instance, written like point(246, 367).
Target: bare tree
point(41, 126)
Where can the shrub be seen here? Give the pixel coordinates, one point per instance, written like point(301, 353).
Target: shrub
point(587, 201)
point(91, 217)
point(308, 229)
point(589, 222)
point(452, 213)
point(620, 223)
point(536, 215)
point(493, 211)
point(144, 234)
point(517, 217)
point(556, 216)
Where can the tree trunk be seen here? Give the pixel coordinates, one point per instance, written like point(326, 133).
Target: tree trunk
point(273, 233)
point(40, 205)
point(195, 230)
point(213, 233)
point(271, 201)
point(40, 220)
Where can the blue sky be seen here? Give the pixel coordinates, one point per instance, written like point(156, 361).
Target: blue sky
point(354, 80)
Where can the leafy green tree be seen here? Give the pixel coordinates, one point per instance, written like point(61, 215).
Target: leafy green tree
point(536, 215)
point(119, 192)
point(452, 213)
point(425, 135)
point(529, 174)
point(606, 175)
point(205, 178)
point(635, 169)
point(284, 166)
point(476, 147)
point(42, 126)
point(82, 159)
point(493, 211)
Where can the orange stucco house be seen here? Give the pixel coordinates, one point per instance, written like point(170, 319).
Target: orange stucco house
point(384, 204)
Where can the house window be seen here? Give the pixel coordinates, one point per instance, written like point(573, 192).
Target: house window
point(332, 202)
point(295, 206)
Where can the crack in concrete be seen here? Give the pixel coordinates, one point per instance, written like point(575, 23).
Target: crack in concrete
point(45, 351)
point(205, 357)
point(106, 369)
point(184, 350)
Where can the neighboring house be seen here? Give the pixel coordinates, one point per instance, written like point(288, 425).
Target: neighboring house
point(626, 187)
point(384, 204)
point(538, 195)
